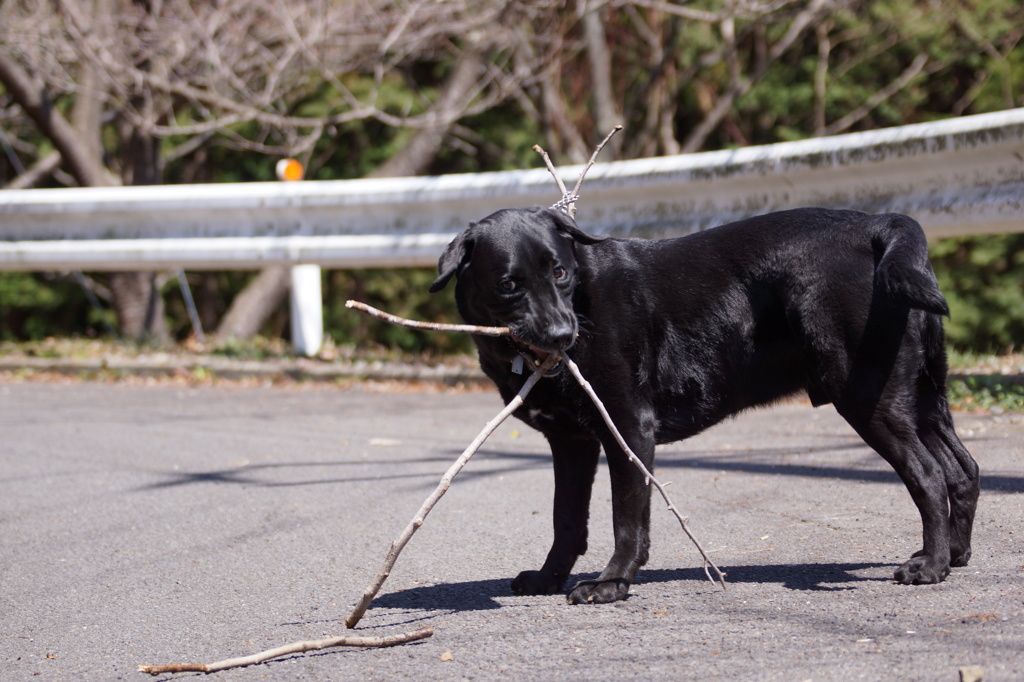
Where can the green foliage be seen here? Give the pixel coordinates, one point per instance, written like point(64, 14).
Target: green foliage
point(983, 280)
point(974, 66)
point(987, 392)
point(35, 305)
point(504, 141)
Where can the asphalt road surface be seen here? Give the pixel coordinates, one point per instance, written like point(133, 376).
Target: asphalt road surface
point(163, 524)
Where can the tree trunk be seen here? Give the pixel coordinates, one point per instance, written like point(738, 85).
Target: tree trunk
point(142, 165)
point(139, 307)
point(136, 295)
point(251, 308)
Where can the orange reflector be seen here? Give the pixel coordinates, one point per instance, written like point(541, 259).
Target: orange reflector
point(289, 170)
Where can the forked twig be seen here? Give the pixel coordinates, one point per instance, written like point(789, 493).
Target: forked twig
point(442, 487)
point(551, 168)
point(569, 199)
point(296, 648)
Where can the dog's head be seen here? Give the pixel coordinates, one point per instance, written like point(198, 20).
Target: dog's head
point(518, 268)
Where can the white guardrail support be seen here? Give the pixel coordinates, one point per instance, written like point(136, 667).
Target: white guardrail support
point(957, 177)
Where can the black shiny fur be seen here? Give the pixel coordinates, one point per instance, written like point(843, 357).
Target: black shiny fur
point(677, 334)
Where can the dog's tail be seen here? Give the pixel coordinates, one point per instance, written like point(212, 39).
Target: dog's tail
point(903, 273)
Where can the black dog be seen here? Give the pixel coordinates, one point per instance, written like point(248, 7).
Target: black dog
point(677, 334)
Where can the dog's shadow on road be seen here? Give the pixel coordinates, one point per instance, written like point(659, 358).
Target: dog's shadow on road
point(482, 595)
point(828, 577)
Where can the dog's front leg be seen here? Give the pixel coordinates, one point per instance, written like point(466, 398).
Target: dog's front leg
point(631, 519)
point(575, 464)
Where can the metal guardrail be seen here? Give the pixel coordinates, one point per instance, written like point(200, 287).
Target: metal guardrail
point(957, 177)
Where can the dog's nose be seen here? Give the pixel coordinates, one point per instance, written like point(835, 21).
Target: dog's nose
point(562, 336)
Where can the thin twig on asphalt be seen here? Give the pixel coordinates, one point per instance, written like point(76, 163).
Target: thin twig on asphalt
point(295, 648)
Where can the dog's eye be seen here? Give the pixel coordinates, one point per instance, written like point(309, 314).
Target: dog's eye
point(509, 285)
point(559, 272)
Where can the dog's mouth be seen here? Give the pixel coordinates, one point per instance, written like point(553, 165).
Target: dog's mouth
point(533, 358)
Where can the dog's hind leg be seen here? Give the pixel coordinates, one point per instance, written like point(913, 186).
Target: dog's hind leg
point(891, 393)
point(575, 463)
point(937, 433)
point(894, 435)
point(961, 471)
point(962, 487)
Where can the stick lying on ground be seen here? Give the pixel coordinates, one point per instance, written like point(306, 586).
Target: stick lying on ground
point(296, 648)
point(515, 403)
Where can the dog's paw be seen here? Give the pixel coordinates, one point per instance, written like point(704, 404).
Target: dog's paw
point(537, 582)
point(960, 558)
point(599, 591)
point(921, 570)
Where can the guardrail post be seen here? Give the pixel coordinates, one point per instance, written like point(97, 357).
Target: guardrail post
point(307, 310)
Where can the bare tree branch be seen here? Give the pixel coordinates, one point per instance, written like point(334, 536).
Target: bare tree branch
point(740, 10)
point(31, 96)
point(231, 63)
point(909, 74)
point(740, 85)
point(36, 172)
point(456, 94)
point(821, 76)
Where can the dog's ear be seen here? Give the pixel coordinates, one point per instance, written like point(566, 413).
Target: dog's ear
point(567, 226)
point(455, 257)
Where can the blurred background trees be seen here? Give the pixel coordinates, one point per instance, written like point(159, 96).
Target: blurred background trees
point(99, 92)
